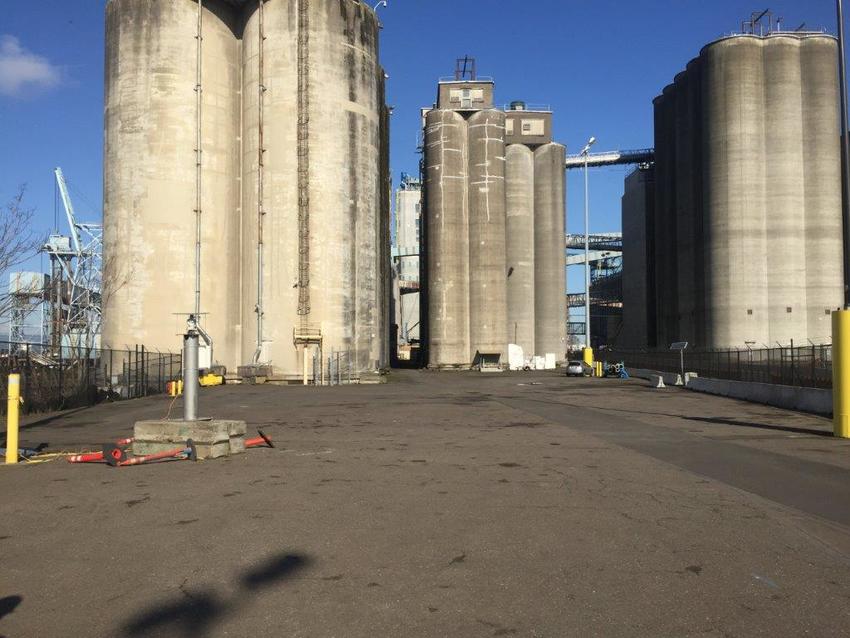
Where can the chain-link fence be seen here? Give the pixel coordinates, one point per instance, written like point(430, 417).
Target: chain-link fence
point(805, 366)
point(69, 377)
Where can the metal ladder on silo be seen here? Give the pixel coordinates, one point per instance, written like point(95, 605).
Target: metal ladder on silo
point(303, 160)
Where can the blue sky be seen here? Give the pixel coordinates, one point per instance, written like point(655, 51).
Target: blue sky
point(598, 64)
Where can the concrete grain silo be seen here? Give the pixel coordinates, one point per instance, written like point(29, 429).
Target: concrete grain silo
point(638, 217)
point(150, 183)
point(446, 186)
point(488, 319)
point(821, 160)
point(550, 309)
point(520, 237)
point(291, 178)
point(747, 228)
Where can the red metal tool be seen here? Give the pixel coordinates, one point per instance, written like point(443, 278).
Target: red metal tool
point(188, 452)
point(111, 449)
point(263, 439)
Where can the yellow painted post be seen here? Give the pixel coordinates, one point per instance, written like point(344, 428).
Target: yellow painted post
point(598, 367)
point(12, 418)
point(841, 373)
point(587, 354)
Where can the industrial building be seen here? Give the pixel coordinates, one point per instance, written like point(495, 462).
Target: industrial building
point(494, 222)
point(246, 181)
point(735, 239)
point(407, 237)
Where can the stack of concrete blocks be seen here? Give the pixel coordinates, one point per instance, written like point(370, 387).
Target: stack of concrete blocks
point(213, 438)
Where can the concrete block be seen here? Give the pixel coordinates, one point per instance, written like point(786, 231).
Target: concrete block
point(213, 438)
point(180, 431)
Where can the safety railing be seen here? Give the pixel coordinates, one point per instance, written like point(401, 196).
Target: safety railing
point(804, 366)
point(70, 377)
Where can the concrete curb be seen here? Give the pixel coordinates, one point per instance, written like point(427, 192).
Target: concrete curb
point(814, 400)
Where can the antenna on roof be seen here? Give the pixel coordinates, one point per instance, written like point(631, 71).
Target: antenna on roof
point(465, 69)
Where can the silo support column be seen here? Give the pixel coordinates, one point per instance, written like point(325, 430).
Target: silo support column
point(841, 373)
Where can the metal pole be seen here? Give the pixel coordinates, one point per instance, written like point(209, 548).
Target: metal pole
point(198, 160)
point(190, 375)
point(586, 256)
point(845, 156)
point(261, 89)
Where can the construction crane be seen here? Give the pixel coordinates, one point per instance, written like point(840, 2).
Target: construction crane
point(76, 278)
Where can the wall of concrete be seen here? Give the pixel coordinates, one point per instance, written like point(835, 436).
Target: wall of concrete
point(814, 400)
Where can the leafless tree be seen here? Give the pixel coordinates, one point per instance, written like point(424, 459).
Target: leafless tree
point(18, 242)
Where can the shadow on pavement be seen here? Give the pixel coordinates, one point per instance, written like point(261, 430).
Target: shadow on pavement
point(720, 421)
point(9, 604)
point(195, 612)
point(762, 426)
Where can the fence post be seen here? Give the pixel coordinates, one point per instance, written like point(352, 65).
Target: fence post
point(61, 378)
point(144, 374)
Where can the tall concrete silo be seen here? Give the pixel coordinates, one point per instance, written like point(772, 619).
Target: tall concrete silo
point(150, 178)
point(320, 128)
point(487, 266)
point(687, 210)
point(447, 218)
point(638, 256)
point(666, 247)
point(734, 196)
point(821, 162)
point(520, 237)
point(293, 168)
point(748, 193)
point(784, 189)
point(550, 308)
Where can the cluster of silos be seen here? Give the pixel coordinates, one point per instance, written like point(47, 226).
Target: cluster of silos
point(494, 217)
point(747, 220)
point(278, 176)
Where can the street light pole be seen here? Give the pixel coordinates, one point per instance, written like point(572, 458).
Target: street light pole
point(845, 154)
point(587, 345)
point(841, 318)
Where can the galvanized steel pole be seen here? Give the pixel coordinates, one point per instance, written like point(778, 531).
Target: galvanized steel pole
point(198, 157)
point(190, 374)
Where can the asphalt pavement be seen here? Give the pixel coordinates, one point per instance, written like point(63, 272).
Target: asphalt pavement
point(439, 504)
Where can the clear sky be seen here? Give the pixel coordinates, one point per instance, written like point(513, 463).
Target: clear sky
point(597, 63)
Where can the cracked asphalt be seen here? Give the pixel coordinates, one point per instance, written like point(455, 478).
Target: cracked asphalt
point(439, 504)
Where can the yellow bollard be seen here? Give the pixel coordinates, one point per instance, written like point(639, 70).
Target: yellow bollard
point(598, 367)
point(12, 418)
point(587, 354)
point(841, 373)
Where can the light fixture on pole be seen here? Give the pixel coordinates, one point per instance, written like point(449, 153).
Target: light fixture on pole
point(587, 346)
